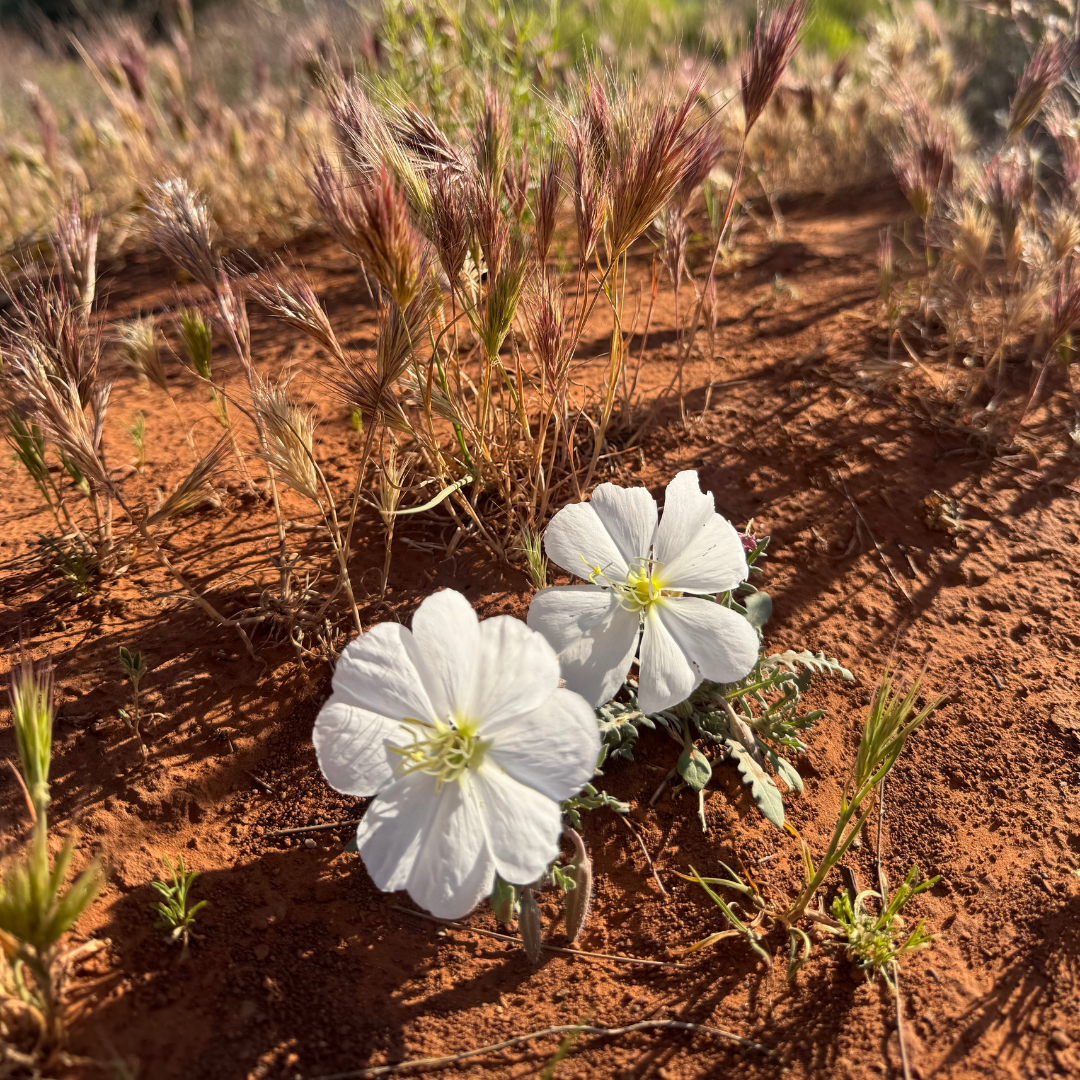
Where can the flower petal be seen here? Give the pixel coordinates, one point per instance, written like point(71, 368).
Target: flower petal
point(431, 842)
point(719, 642)
point(629, 515)
point(446, 633)
point(377, 672)
point(554, 750)
point(666, 676)
point(712, 562)
point(516, 672)
point(576, 540)
point(594, 636)
point(393, 828)
point(351, 746)
point(686, 509)
point(700, 551)
point(521, 825)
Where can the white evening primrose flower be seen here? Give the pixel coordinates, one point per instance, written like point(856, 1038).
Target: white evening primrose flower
point(645, 580)
point(462, 731)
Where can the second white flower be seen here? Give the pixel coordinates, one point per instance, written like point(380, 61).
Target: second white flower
point(646, 581)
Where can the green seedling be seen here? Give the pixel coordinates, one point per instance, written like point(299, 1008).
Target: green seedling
point(173, 911)
point(891, 721)
point(530, 543)
point(77, 566)
point(137, 433)
point(876, 942)
point(134, 668)
point(37, 908)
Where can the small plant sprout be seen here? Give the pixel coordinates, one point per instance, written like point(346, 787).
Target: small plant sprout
point(73, 563)
point(890, 722)
point(36, 908)
point(531, 545)
point(134, 668)
point(137, 433)
point(173, 912)
point(461, 730)
point(876, 942)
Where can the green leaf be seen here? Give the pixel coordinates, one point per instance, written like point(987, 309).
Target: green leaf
point(694, 768)
point(758, 609)
point(503, 901)
point(351, 846)
point(787, 772)
point(799, 951)
point(764, 791)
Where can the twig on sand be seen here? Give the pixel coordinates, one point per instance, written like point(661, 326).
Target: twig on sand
point(263, 784)
point(547, 948)
point(645, 852)
point(423, 1064)
point(881, 554)
point(311, 828)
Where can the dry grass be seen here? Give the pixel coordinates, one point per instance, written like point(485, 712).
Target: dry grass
point(986, 292)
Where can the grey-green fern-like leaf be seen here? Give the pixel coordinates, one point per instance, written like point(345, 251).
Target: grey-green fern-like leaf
point(813, 661)
point(762, 787)
point(786, 771)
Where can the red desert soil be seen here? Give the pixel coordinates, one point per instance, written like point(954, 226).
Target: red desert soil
point(301, 968)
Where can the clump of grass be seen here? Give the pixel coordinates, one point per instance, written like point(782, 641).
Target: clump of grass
point(874, 941)
point(892, 719)
point(37, 906)
point(531, 545)
point(989, 291)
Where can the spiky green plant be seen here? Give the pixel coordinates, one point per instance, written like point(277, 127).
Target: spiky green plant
point(137, 434)
point(134, 668)
point(876, 942)
point(873, 942)
point(531, 545)
point(892, 719)
point(173, 911)
point(37, 908)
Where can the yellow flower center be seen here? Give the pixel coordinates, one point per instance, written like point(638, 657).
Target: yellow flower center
point(445, 751)
point(642, 587)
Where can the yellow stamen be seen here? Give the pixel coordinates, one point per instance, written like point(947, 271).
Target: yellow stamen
point(642, 587)
point(445, 751)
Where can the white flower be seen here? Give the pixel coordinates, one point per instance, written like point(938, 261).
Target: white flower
point(645, 579)
point(462, 731)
